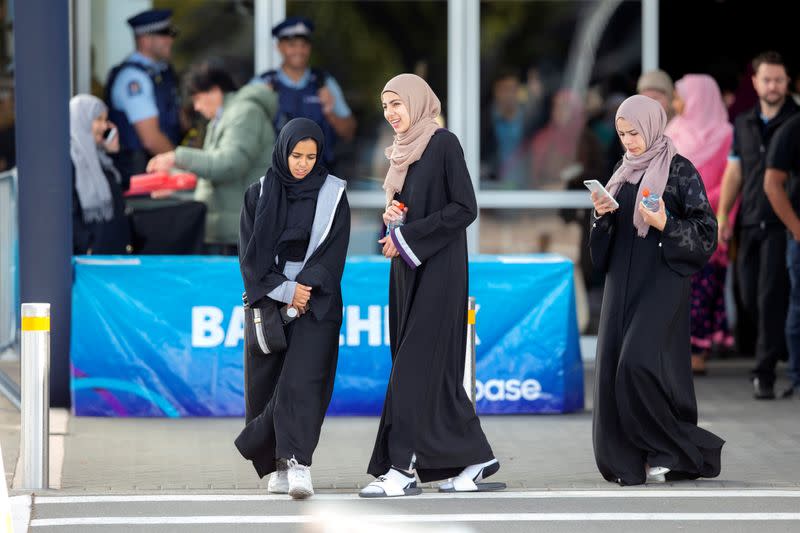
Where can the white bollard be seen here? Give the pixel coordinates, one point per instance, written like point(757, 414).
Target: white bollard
point(469, 363)
point(35, 430)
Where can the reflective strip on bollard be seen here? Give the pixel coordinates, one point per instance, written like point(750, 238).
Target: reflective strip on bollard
point(36, 323)
point(35, 430)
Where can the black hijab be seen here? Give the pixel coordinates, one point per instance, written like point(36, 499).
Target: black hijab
point(284, 213)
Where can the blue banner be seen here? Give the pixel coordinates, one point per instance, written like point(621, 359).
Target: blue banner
point(163, 336)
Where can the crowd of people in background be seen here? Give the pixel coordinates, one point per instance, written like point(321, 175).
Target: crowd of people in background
point(535, 134)
point(741, 297)
point(143, 109)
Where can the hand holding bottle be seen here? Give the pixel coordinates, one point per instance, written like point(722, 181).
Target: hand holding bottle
point(394, 212)
point(653, 210)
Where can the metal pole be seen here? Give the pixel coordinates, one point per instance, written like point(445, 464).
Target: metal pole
point(267, 13)
point(82, 47)
point(463, 90)
point(41, 87)
point(35, 430)
point(649, 35)
point(469, 363)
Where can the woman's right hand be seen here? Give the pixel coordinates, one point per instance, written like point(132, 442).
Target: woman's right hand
point(302, 294)
point(393, 212)
point(602, 204)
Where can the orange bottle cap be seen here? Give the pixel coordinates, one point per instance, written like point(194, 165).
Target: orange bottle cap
point(646, 192)
point(401, 205)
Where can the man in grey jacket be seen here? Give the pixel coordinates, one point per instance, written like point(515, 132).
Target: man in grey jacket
point(236, 151)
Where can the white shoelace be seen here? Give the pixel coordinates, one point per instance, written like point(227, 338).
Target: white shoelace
point(298, 470)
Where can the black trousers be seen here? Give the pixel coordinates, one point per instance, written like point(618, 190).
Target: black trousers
point(287, 394)
point(764, 284)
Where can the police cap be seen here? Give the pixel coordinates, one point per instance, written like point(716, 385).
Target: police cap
point(294, 27)
point(153, 21)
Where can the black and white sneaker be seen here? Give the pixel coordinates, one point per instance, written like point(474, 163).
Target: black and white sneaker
point(393, 483)
point(469, 480)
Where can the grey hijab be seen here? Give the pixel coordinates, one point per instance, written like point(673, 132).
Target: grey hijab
point(90, 159)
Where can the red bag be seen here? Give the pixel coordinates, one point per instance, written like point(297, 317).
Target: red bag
point(156, 181)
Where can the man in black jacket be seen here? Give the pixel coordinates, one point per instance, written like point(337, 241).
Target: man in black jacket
point(761, 258)
point(780, 179)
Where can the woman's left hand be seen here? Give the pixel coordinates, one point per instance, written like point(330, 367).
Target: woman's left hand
point(657, 219)
point(389, 250)
point(162, 162)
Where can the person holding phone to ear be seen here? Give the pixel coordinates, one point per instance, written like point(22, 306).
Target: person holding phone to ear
point(110, 137)
point(645, 411)
point(98, 208)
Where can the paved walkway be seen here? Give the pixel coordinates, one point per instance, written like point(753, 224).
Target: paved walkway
point(121, 475)
point(536, 452)
point(629, 510)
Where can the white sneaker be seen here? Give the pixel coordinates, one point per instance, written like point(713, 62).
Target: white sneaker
point(299, 480)
point(279, 482)
point(657, 474)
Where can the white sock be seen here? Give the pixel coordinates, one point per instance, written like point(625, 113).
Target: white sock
point(394, 477)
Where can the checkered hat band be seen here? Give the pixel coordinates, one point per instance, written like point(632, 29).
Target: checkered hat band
point(153, 27)
point(297, 29)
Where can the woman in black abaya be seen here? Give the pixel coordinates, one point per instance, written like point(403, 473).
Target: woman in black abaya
point(428, 423)
point(295, 228)
point(645, 411)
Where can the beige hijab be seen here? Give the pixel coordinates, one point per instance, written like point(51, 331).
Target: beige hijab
point(423, 109)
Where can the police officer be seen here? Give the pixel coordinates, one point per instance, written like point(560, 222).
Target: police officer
point(307, 92)
point(142, 94)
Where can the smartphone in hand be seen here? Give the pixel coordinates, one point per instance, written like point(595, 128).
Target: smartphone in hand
point(108, 135)
point(597, 187)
